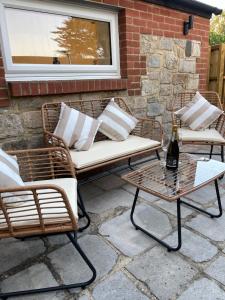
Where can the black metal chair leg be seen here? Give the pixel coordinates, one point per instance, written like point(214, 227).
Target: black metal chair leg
point(129, 164)
point(83, 210)
point(137, 227)
point(222, 153)
point(211, 151)
point(206, 212)
point(157, 155)
point(73, 239)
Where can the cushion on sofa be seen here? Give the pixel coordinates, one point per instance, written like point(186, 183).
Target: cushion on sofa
point(116, 123)
point(211, 135)
point(105, 150)
point(75, 128)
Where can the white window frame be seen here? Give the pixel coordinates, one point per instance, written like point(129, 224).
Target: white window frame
point(31, 72)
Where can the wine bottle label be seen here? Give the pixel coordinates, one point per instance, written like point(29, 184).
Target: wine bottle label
point(171, 162)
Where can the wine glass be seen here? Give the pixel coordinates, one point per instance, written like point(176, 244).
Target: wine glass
point(165, 144)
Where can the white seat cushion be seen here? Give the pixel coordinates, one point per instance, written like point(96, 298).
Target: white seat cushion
point(106, 150)
point(210, 135)
point(19, 215)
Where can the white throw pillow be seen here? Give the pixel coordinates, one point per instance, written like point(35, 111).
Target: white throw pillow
point(199, 113)
point(116, 123)
point(75, 128)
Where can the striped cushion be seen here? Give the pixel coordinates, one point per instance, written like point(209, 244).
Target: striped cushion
point(199, 113)
point(75, 128)
point(116, 123)
point(9, 171)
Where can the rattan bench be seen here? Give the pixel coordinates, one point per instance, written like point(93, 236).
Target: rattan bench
point(47, 204)
point(144, 139)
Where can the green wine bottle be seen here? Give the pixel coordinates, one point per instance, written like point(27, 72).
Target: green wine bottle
point(172, 158)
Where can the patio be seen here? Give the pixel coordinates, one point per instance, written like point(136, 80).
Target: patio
point(129, 265)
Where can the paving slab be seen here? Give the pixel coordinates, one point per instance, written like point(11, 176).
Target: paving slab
point(117, 287)
point(217, 269)
point(122, 234)
point(166, 274)
point(171, 207)
point(203, 289)
point(143, 195)
point(15, 252)
point(211, 228)
point(108, 201)
point(37, 276)
point(204, 195)
point(68, 263)
point(89, 191)
point(109, 182)
point(193, 246)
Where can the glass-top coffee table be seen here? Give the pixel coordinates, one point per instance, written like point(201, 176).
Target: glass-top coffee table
point(192, 174)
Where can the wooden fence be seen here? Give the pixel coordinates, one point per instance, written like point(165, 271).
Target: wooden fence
point(216, 78)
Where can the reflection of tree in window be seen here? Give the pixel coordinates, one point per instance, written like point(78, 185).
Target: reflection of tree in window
point(83, 42)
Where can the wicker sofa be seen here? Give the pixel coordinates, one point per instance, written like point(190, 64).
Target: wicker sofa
point(145, 138)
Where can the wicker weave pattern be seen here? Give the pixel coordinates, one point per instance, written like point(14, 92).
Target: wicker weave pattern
point(38, 164)
point(169, 185)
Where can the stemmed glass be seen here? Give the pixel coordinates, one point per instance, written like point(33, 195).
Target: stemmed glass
point(165, 144)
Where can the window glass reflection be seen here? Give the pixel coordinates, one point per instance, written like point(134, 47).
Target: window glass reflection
point(43, 38)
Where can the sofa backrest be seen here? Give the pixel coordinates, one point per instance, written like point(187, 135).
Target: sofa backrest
point(93, 108)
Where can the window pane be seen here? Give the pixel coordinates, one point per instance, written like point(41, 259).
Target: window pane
point(43, 38)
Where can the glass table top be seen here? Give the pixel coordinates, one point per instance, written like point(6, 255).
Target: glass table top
point(193, 172)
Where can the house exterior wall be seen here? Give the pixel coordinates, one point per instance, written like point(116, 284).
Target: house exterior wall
point(20, 120)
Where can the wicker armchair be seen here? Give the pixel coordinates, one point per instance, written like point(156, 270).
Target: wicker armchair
point(46, 205)
point(213, 136)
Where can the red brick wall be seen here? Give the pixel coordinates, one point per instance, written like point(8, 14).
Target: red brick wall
point(135, 18)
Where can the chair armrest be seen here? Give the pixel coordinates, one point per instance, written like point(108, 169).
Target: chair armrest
point(44, 163)
point(148, 128)
point(37, 208)
point(54, 140)
point(220, 126)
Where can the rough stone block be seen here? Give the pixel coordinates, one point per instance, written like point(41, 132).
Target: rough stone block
point(196, 49)
point(11, 125)
point(192, 82)
point(171, 61)
point(149, 87)
point(122, 234)
point(166, 44)
point(32, 119)
point(187, 65)
point(72, 268)
point(120, 288)
point(203, 289)
point(36, 276)
point(216, 269)
point(154, 61)
point(194, 246)
point(211, 228)
point(15, 252)
point(165, 90)
point(154, 75)
point(154, 109)
point(165, 76)
point(166, 274)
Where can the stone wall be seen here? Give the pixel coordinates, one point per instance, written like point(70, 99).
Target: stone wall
point(171, 68)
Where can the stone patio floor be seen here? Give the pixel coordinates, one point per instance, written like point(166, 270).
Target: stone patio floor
point(130, 266)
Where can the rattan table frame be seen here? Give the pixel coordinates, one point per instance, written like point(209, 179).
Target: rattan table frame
point(141, 176)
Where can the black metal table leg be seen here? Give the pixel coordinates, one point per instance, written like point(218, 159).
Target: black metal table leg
point(137, 227)
point(206, 212)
